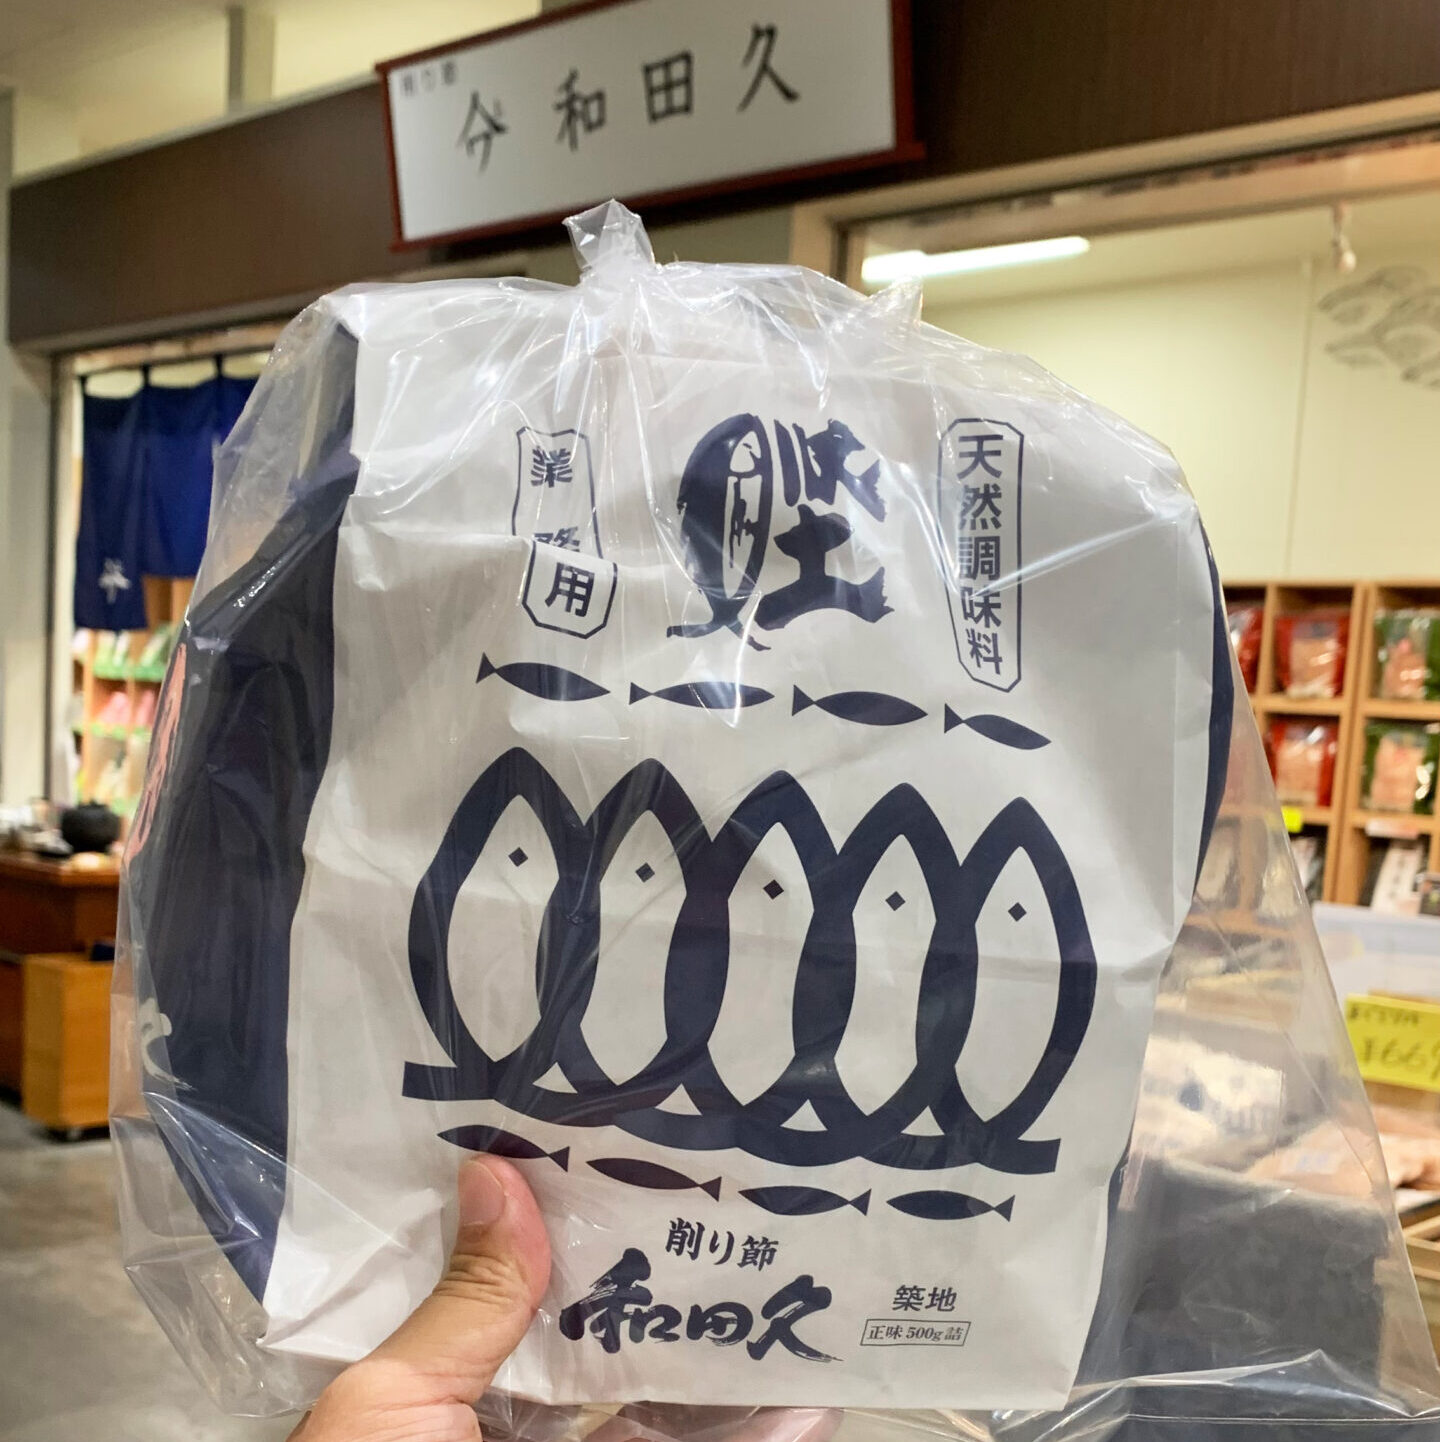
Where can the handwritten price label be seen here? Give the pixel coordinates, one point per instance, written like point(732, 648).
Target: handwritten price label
point(1396, 1041)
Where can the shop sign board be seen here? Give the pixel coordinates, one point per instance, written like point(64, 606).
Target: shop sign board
point(647, 101)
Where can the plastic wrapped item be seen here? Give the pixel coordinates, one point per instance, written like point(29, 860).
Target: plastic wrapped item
point(748, 756)
point(1302, 759)
point(1309, 851)
point(1397, 867)
point(1399, 769)
point(1310, 652)
point(1407, 655)
point(1246, 621)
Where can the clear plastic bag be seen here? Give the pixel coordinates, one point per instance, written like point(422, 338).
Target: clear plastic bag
point(748, 756)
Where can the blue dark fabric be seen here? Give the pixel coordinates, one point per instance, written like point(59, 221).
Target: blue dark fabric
point(234, 395)
point(1222, 710)
point(145, 501)
point(181, 424)
point(216, 866)
point(108, 548)
point(184, 425)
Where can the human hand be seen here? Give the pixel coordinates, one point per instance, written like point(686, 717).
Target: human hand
point(421, 1385)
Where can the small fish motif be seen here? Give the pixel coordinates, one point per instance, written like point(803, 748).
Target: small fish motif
point(500, 1143)
point(549, 683)
point(651, 1174)
point(708, 695)
point(998, 728)
point(804, 1201)
point(948, 1206)
point(869, 708)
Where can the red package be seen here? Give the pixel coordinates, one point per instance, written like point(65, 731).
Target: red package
point(1246, 619)
point(1310, 650)
point(1302, 759)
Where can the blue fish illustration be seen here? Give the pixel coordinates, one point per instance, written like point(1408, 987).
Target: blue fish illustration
point(948, 1206)
point(803, 1201)
point(550, 683)
point(500, 1143)
point(708, 695)
point(870, 708)
point(652, 1175)
point(998, 728)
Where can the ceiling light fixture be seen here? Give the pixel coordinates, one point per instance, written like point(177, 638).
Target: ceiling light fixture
point(920, 265)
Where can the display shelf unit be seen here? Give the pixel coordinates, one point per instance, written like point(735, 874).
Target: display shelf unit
point(1267, 700)
point(1366, 829)
point(113, 744)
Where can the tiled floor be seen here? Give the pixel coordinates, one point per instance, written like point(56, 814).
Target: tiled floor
point(81, 1359)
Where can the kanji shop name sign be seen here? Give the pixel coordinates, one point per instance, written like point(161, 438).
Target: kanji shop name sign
point(642, 100)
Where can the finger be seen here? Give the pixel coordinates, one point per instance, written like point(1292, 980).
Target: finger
point(458, 1337)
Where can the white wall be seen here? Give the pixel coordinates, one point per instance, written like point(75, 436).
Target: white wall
point(24, 543)
point(318, 42)
point(1303, 466)
point(1368, 501)
point(96, 74)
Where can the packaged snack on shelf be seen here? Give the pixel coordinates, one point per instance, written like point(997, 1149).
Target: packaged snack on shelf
point(1399, 867)
point(1246, 621)
point(156, 651)
point(1407, 654)
point(1302, 759)
point(1399, 770)
point(1308, 848)
point(599, 736)
point(1310, 651)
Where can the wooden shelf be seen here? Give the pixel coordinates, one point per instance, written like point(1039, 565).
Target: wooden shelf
point(1312, 815)
point(1290, 598)
point(1379, 709)
point(1282, 705)
point(1353, 832)
point(103, 746)
point(1368, 830)
point(1391, 825)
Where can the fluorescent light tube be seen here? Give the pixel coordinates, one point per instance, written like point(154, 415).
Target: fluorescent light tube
point(919, 265)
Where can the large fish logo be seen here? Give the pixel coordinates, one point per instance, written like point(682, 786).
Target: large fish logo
point(725, 499)
point(698, 961)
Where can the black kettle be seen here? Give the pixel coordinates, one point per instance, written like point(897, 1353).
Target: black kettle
point(89, 827)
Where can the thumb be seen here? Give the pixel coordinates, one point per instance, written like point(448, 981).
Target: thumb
point(459, 1335)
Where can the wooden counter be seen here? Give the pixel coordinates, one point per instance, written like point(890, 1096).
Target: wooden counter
point(65, 1077)
point(56, 905)
point(54, 1038)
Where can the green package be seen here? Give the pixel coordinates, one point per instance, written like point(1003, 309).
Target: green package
point(1407, 655)
point(1400, 765)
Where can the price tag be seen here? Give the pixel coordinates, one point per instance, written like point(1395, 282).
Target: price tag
point(1392, 830)
point(1294, 819)
point(1396, 1041)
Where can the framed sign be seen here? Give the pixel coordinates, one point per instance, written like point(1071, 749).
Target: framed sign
point(648, 101)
